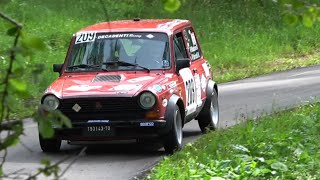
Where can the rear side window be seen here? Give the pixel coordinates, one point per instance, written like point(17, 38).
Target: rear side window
point(192, 44)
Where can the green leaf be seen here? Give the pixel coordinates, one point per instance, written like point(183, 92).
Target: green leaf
point(45, 162)
point(290, 19)
point(66, 121)
point(217, 178)
point(171, 5)
point(297, 4)
point(45, 129)
point(12, 31)
point(279, 166)
point(17, 85)
point(240, 148)
point(33, 42)
point(10, 102)
point(307, 20)
point(10, 140)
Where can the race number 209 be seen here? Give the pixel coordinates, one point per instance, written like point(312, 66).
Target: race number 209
point(85, 37)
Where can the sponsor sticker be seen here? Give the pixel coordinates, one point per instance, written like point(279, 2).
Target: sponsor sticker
point(126, 87)
point(111, 36)
point(203, 82)
point(166, 63)
point(98, 121)
point(82, 88)
point(195, 55)
point(206, 69)
point(172, 84)
point(157, 87)
point(150, 36)
point(147, 124)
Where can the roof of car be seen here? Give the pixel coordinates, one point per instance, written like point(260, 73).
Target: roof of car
point(161, 25)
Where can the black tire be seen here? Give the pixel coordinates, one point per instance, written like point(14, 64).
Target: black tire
point(50, 145)
point(173, 140)
point(208, 118)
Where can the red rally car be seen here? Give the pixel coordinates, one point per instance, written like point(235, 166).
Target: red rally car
point(133, 79)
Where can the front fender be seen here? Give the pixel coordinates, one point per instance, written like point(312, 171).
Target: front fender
point(170, 112)
point(211, 85)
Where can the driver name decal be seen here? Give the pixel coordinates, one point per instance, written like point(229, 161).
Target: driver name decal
point(110, 36)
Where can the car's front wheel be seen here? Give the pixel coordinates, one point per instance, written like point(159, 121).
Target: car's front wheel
point(50, 145)
point(173, 140)
point(208, 118)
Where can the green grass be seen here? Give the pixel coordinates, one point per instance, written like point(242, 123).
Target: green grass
point(240, 38)
point(281, 146)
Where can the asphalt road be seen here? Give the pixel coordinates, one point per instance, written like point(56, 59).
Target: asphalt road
point(239, 100)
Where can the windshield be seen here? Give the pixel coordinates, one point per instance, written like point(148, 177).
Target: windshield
point(119, 51)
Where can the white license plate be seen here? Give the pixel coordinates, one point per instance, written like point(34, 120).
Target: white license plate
point(98, 128)
point(98, 131)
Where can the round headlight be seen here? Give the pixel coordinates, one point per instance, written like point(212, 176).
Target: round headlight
point(50, 103)
point(147, 100)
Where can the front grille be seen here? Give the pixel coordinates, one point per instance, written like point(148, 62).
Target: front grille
point(110, 108)
point(107, 78)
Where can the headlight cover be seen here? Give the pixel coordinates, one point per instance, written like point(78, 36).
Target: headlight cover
point(147, 100)
point(50, 103)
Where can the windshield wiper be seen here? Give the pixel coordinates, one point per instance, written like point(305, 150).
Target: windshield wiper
point(84, 66)
point(124, 63)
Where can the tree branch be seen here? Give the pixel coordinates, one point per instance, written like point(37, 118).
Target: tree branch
point(57, 163)
point(12, 59)
point(12, 21)
point(7, 125)
point(73, 161)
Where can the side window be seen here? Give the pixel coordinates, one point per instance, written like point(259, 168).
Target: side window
point(179, 48)
point(192, 44)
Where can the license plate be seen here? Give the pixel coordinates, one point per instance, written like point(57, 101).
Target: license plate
point(98, 131)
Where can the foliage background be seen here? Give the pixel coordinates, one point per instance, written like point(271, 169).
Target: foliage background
point(240, 38)
point(247, 37)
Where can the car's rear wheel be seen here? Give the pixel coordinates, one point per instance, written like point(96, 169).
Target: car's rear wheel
point(173, 140)
point(50, 145)
point(208, 118)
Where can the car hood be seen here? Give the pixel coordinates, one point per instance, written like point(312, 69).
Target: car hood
point(103, 84)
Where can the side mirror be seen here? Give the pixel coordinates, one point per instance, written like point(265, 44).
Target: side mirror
point(57, 68)
point(182, 63)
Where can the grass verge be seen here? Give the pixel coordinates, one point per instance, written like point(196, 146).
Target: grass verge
point(282, 146)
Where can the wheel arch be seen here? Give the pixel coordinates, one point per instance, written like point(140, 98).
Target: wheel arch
point(173, 101)
point(211, 85)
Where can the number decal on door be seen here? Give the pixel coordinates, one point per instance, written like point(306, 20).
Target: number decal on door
point(190, 89)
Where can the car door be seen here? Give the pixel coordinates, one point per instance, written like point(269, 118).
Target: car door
point(186, 74)
point(199, 67)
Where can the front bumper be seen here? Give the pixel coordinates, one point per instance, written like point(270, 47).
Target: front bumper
point(118, 130)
